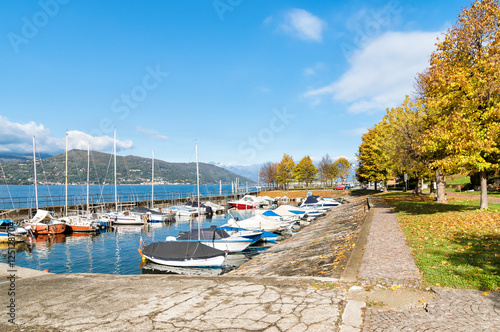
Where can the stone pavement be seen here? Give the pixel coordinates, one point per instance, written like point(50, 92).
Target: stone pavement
point(387, 265)
point(97, 302)
point(387, 258)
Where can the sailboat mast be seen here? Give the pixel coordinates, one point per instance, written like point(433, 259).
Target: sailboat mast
point(66, 183)
point(34, 166)
point(88, 174)
point(198, 189)
point(114, 152)
point(153, 180)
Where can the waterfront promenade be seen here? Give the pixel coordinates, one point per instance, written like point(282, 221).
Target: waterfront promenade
point(376, 287)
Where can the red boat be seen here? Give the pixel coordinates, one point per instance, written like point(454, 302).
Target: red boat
point(246, 203)
point(80, 224)
point(44, 224)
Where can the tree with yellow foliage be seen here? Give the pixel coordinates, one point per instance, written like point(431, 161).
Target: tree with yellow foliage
point(461, 91)
point(285, 171)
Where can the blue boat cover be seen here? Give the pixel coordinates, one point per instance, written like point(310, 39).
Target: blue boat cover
point(270, 213)
point(6, 221)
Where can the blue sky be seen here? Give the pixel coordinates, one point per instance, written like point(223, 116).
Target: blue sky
point(248, 80)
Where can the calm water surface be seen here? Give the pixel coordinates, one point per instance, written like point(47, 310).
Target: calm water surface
point(111, 252)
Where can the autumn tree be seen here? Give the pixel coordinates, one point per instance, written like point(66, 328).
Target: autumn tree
point(268, 173)
point(461, 90)
point(343, 168)
point(373, 157)
point(285, 171)
point(405, 132)
point(305, 171)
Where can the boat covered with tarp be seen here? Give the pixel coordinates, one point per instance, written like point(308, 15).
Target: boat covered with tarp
point(184, 254)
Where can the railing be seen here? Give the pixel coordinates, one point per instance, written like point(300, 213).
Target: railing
point(94, 199)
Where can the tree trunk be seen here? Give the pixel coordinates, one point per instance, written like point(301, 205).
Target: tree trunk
point(419, 186)
point(440, 182)
point(376, 185)
point(484, 189)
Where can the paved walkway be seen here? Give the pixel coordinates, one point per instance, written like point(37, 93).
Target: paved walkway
point(387, 260)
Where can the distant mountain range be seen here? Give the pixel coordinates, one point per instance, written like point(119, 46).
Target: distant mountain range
point(250, 172)
point(12, 158)
point(130, 170)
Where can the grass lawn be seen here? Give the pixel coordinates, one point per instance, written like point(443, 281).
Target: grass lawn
point(458, 179)
point(454, 244)
point(476, 193)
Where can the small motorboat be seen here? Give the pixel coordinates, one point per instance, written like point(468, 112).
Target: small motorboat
point(11, 232)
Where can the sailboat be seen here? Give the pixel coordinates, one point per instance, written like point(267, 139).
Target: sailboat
point(43, 223)
point(79, 223)
point(122, 218)
point(185, 253)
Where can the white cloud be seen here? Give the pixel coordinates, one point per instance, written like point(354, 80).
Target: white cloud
point(268, 20)
point(80, 140)
point(17, 138)
point(301, 24)
point(310, 71)
point(381, 73)
point(152, 134)
point(355, 132)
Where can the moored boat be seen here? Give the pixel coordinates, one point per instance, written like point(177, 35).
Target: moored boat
point(44, 224)
point(80, 223)
point(11, 232)
point(214, 237)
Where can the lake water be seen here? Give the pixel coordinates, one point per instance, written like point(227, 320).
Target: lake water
point(111, 252)
point(12, 197)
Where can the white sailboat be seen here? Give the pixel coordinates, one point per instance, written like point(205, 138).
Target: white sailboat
point(80, 222)
point(43, 223)
point(122, 218)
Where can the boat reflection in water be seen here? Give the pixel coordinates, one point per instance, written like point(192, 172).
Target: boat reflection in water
point(49, 240)
point(6, 248)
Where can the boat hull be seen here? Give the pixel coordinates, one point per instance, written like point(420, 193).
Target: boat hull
point(44, 229)
point(206, 262)
point(241, 206)
point(81, 228)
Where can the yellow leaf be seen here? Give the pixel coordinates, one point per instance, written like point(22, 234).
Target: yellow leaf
point(486, 293)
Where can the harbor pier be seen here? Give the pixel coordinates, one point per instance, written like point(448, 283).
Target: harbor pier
point(127, 202)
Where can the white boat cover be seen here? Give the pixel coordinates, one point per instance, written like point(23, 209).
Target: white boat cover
point(285, 210)
point(42, 216)
point(257, 222)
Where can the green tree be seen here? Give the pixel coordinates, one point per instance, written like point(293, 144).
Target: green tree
point(462, 93)
point(305, 171)
point(285, 171)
